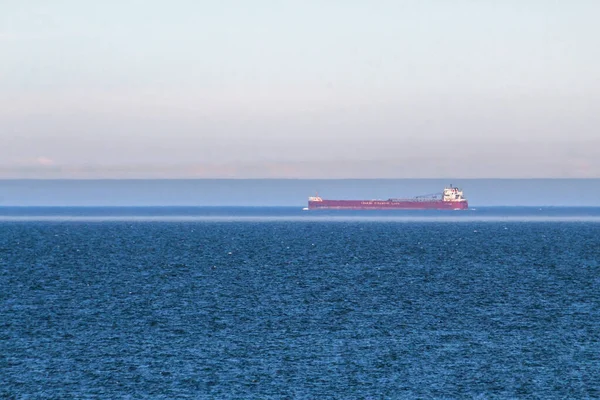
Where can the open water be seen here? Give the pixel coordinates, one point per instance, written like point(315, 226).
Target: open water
point(276, 303)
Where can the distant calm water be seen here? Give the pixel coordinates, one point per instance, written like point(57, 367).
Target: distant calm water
point(290, 192)
point(278, 303)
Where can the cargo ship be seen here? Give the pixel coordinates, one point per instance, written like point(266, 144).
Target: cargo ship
point(451, 198)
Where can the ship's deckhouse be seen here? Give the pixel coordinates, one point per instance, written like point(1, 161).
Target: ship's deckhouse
point(453, 194)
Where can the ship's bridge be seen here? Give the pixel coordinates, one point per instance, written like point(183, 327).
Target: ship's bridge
point(453, 194)
point(315, 198)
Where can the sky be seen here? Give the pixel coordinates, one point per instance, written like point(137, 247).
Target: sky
point(299, 89)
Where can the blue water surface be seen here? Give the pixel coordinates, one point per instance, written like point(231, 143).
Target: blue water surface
point(264, 214)
point(279, 303)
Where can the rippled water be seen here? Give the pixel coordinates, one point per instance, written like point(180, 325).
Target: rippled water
point(299, 309)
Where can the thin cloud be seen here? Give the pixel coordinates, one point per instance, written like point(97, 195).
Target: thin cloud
point(6, 36)
point(45, 161)
point(475, 167)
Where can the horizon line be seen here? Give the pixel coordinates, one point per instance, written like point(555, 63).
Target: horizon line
point(294, 179)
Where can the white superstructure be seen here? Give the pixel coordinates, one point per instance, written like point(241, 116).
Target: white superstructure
point(453, 194)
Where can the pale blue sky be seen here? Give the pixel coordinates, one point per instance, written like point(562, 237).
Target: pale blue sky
point(299, 88)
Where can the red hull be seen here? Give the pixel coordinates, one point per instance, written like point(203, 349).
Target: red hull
point(388, 205)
